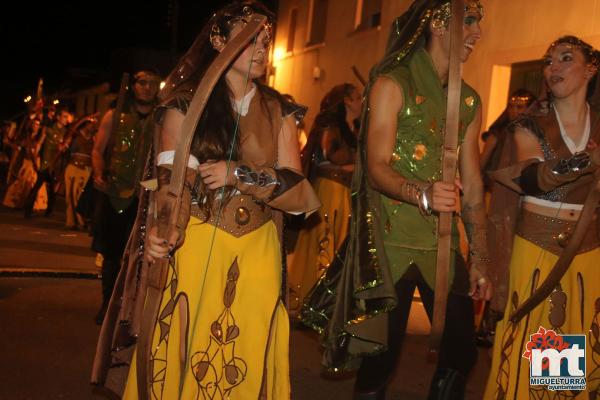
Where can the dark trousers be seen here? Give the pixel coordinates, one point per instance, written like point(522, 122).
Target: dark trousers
point(43, 176)
point(111, 229)
point(457, 349)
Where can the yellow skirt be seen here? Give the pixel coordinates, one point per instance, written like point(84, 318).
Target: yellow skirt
point(224, 335)
point(20, 188)
point(319, 240)
point(530, 264)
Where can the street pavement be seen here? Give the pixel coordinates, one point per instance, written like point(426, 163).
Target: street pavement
point(49, 295)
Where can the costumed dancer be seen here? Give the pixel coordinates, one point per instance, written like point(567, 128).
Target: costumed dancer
point(392, 242)
point(221, 330)
point(79, 167)
point(556, 246)
point(28, 153)
point(328, 162)
point(52, 150)
point(118, 158)
point(494, 153)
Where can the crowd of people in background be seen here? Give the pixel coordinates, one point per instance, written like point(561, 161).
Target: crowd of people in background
point(47, 152)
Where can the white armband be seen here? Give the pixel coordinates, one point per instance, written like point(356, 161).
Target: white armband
point(168, 157)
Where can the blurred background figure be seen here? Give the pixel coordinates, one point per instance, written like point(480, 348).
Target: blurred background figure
point(494, 154)
point(79, 167)
point(7, 137)
point(328, 162)
point(52, 150)
point(26, 161)
point(118, 157)
point(518, 103)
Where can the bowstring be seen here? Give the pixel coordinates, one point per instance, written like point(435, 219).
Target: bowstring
point(218, 217)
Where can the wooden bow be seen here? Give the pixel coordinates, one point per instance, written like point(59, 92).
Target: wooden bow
point(449, 163)
point(157, 274)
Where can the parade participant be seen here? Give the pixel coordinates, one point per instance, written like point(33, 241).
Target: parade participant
point(392, 242)
point(52, 149)
point(28, 153)
point(518, 103)
point(11, 147)
point(79, 168)
point(328, 162)
point(221, 330)
point(554, 169)
point(7, 139)
point(492, 156)
point(118, 158)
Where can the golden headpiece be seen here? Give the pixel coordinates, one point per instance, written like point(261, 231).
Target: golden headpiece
point(442, 14)
point(591, 54)
point(218, 38)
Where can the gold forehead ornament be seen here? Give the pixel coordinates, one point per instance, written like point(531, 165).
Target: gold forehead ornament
point(442, 14)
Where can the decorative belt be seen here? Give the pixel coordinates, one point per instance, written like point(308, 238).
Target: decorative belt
point(239, 216)
point(553, 234)
point(81, 161)
point(335, 174)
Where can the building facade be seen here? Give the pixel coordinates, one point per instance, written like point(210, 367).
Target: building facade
point(318, 42)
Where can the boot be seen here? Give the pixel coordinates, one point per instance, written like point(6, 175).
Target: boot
point(447, 384)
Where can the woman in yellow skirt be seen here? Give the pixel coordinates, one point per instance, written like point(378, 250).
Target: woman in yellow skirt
point(328, 161)
point(222, 329)
point(557, 157)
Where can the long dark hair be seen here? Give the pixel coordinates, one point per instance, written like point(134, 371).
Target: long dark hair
point(213, 138)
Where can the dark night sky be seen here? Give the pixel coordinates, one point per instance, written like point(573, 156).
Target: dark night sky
point(61, 39)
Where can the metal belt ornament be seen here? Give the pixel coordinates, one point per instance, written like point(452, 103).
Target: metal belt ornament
point(157, 274)
point(449, 164)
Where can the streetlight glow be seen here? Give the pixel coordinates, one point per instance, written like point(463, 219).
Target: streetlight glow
point(27, 99)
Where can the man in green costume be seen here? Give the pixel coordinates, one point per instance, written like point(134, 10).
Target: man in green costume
point(399, 193)
point(52, 149)
point(118, 160)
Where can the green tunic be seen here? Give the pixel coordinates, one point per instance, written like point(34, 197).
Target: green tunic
point(408, 236)
point(349, 306)
point(50, 152)
point(125, 163)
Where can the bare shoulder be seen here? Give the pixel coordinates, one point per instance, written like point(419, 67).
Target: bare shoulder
point(385, 87)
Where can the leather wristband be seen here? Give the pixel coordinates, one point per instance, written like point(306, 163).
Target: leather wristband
point(259, 182)
point(164, 178)
point(542, 177)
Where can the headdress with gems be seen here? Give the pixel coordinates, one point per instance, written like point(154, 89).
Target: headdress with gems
point(408, 30)
point(193, 64)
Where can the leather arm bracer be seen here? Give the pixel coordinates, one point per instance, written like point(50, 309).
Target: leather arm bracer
point(545, 176)
point(162, 214)
point(535, 177)
point(282, 188)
